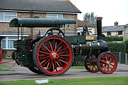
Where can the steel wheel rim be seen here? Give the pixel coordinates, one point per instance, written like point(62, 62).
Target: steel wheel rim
point(54, 55)
point(107, 63)
point(91, 63)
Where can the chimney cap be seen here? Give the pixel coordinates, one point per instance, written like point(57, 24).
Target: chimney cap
point(99, 18)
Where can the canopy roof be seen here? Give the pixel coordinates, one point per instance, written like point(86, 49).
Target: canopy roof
point(38, 22)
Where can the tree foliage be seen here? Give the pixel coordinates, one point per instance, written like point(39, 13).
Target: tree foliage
point(90, 18)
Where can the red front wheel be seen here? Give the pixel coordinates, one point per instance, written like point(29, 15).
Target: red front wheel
point(52, 55)
point(107, 62)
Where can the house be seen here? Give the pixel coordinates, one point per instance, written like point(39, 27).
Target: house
point(9, 9)
point(116, 30)
point(81, 26)
point(125, 32)
point(91, 28)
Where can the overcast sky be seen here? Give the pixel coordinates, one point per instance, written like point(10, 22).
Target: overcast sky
point(110, 10)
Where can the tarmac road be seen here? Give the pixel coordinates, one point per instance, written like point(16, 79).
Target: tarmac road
point(22, 73)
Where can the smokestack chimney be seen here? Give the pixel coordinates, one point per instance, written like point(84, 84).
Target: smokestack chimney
point(99, 28)
point(116, 23)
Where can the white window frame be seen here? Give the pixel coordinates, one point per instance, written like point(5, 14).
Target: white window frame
point(4, 15)
point(57, 16)
point(6, 41)
point(126, 29)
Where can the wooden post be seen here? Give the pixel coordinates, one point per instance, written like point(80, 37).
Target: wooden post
point(120, 57)
point(126, 58)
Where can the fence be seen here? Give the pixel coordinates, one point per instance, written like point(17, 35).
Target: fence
point(122, 58)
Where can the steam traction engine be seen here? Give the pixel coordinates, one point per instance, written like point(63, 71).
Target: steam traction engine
point(53, 54)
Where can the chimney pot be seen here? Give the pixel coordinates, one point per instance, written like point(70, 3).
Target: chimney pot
point(116, 23)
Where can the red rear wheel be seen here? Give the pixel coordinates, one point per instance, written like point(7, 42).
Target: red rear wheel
point(53, 55)
point(107, 62)
point(90, 63)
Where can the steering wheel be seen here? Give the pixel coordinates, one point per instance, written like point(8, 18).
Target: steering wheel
point(50, 32)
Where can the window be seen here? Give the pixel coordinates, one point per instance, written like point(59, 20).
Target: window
point(108, 33)
point(8, 42)
point(54, 16)
point(127, 30)
point(7, 16)
point(119, 32)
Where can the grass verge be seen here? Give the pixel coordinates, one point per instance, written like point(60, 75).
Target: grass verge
point(79, 81)
point(5, 68)
point(77, 67)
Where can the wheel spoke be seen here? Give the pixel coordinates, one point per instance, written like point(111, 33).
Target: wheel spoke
point(44, 52)
point(64, 55)
point(106, 58)
point(43, 49)
point(60, 63)
point(43, 58)
point(103, 58)
point(46, 62)
point(47, 65)
point(107, 67)
point(59, 45)
point(93, 67)
point(110, 60)
point(42, 55)
point(59, 49)
point(46, 48)
point(43, 61)
point(63, 61)
point(50, 65)
point(102, 61)
point(53, 43)
point(111, 64)
point(55, 46)
point(51, 46)
point(62, 49)
point(48, 44)
point(55, 65)
point(63, 58)
point(62, 52)
point(101, 64)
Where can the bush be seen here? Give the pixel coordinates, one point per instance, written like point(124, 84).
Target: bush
point(126, 43)
point(117, 47)
point(112, 38)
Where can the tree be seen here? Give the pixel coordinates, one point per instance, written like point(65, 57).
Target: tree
point(90, 18)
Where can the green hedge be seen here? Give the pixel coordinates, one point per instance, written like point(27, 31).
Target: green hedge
point(126, 43)
point(117, 47)
point(112, 38)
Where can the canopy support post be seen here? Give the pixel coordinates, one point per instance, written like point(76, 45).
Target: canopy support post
point(18, 32)
point(21, 31)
